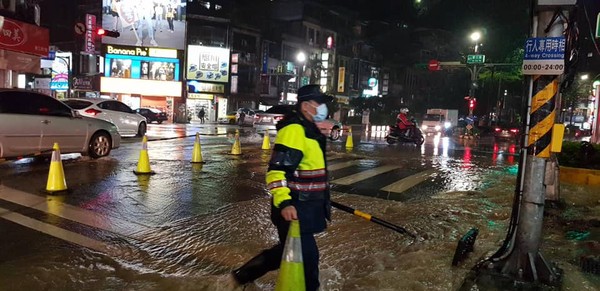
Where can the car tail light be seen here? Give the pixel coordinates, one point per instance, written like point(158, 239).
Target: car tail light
point(277, 118)
point(497, 129)
point(514, 130)
point(92, 111)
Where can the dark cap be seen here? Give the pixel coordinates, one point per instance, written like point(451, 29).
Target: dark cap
point(313, 92)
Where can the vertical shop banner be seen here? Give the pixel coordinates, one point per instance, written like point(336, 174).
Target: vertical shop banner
point(61, 66)
point(24, 38)
point(234, 84)
point(90, 28)
point(341, 79)
point(265, 59)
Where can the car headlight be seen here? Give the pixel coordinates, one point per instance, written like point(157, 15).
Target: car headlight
point(424, 127)
point(447, 124)
point(437, 127)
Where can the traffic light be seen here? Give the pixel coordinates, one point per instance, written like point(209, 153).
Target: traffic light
point(109, 33)
point(471, 103)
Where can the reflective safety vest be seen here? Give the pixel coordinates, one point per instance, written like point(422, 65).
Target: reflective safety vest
point(297, 168)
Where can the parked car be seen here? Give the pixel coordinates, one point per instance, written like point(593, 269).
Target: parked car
point(245, 116)
point(31, 122)
point(128, 122)
point(331, 128)
point(152, 114)
point(268, 119)
point(506, 131)
point(230, 118)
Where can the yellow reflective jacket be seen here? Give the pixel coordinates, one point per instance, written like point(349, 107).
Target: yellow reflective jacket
point(297, 172)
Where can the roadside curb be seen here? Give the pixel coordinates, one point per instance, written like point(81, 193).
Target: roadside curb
point(580, 176)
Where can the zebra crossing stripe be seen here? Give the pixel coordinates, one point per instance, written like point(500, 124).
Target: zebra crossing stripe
point(408, 182)
point(54, 231)
point(342, 165)
point(364, 175)
point(66, 211)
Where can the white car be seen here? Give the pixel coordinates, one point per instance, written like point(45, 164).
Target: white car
point(128, 122)
point(31, 123)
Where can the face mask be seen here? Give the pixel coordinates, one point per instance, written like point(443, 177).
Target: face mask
point(321, 113)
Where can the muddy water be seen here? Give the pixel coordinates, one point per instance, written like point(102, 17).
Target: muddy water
point(194, 252)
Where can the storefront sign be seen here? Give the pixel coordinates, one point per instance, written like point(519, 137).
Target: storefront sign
point(90, 41)
point(202, 87)
point(265, 59)
point(141, 87)
point(82, 83)
point(61, 66)
point(234, 84)
point(207, 64)
point(22, 37)
point(200, 96)
point(141, 63)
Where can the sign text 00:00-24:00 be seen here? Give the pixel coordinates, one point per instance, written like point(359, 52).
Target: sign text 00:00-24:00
point(536, 67)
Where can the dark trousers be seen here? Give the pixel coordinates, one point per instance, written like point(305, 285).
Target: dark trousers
point(270, 259)
point(170, 21)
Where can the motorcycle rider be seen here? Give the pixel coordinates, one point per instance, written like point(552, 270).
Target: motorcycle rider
point(403, 124)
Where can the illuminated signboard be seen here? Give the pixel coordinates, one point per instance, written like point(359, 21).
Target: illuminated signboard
point(61, 66)
point(202, 87)
point(141, 63)
point(207, 64)
point(146, 23)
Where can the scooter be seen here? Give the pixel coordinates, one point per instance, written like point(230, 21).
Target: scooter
point(395, 135)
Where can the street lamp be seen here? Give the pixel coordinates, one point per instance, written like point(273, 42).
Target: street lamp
point(301, 58)
point(475, 36)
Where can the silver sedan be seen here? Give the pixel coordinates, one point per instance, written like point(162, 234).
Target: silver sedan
point(31, 123)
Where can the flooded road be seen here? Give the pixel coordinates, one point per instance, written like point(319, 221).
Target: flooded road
point(188, 225)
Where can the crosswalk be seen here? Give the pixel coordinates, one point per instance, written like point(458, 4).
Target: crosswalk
point(377, 178)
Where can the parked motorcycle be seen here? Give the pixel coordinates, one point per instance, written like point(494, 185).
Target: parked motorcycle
point(395, 135)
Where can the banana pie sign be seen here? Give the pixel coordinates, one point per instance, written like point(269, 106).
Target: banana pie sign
point(23, 37)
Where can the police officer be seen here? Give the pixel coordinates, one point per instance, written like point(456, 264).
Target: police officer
point(297, 180)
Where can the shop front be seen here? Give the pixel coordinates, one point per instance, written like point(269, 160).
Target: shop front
point(144, 77)
point(207, 74)
point(22, 46)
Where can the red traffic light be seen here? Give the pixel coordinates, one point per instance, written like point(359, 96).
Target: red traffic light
point(471, 104)
point(108, 33)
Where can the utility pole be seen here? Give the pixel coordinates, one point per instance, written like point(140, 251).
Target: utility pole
point(519, 262)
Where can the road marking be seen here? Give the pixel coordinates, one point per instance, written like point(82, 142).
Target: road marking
point(54, 231)
point(66, 211)
point(342, 165)
point(408, 182)
point(364, 175)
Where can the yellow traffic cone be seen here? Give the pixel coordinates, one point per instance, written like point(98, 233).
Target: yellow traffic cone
point(349, 142)
point(266, 142)
point(197, 153)
point(236, 149)
point(56, 175)
point(143, 166)
point(291, 272)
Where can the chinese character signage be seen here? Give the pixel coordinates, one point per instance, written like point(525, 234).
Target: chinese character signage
point(90, 28)
point(207, 64)
point(544, 56)
point(24, 38)
point(341, 79)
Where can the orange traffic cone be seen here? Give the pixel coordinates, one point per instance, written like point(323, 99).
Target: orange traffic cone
point(56, 175)
point(143, 166)
point(291, 272)
point(266, 142)
point(236, 149)
point(197, 152)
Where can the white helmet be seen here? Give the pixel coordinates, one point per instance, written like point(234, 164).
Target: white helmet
point(404, 110)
